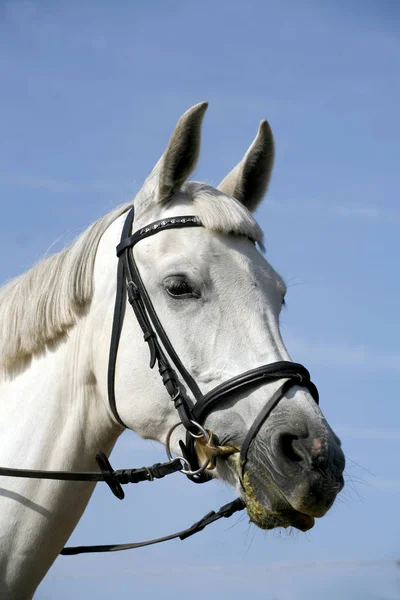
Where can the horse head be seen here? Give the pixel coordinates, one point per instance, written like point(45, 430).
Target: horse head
point(219, 301)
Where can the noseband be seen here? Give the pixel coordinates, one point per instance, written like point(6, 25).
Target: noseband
point(192, 412)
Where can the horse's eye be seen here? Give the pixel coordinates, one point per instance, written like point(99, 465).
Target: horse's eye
point(179, 287)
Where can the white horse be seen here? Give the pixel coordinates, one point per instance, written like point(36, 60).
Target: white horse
point(219, 301)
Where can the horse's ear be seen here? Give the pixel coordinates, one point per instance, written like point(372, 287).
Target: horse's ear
point(248, 181)
point(180, 157)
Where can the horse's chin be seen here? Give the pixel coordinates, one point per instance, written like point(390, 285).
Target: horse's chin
point(282, 515)
point(267, 507)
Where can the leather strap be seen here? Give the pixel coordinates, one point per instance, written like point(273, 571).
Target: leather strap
point(130, 282)
point(118, 319)
point(258, 376)
point(295, 374)
point(225, 511)
point(107, 474)
point(137, 279)
point(267, 409)
point(161, 224)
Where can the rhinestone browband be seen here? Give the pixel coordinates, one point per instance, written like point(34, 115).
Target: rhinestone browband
point(172, 221)
point(169, 223)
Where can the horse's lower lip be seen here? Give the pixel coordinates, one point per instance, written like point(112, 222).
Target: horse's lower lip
point(300, 521)
point(288, 517)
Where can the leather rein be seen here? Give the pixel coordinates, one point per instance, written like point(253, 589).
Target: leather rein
point(191, 412)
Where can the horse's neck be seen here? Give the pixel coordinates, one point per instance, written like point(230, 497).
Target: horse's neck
point(51, 417)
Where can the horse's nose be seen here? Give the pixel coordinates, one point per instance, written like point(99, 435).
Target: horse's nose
point(294, 448)
point(311, 468)
point(311, 452)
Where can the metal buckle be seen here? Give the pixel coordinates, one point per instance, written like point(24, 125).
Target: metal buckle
point(175, 397)
point(150, 476)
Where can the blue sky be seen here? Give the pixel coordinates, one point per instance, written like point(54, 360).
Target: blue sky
point(90, 94)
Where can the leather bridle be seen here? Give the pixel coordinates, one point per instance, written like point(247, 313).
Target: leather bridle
point(192, 414)
point(192, 411)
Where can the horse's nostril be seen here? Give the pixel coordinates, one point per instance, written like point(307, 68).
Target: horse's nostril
point(288, 447)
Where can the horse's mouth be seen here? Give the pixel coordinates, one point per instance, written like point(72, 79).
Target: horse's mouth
point(267, 518)
point(268, 508)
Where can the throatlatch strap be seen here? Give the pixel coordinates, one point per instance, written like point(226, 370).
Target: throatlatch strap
point(118, 319)
point(225, 511)
point(119, 309)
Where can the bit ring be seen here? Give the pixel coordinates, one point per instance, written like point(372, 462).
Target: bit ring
point(187, 471)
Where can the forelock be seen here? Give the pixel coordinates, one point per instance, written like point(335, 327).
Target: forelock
point(222, 213)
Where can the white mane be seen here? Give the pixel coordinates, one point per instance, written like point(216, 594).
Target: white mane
point(39, 307)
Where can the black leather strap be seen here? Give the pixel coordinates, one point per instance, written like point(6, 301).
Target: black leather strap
point(148, 319)
point(155, 227)
point(58, 475)
point(107, 474)
point(118, 319)
point(224, 512)
point(267, 409)
point(295, 373)
point(258, 376)
point(161, 331)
